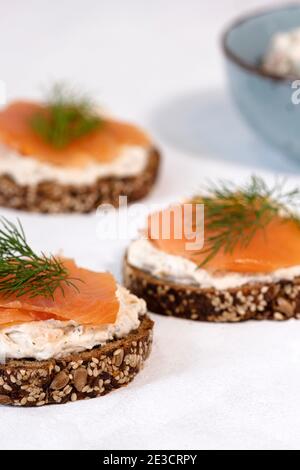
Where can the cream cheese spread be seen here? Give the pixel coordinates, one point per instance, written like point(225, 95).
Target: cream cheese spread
point(52, 338)
point(27, 170)
point(144, 255)
point(283, 54)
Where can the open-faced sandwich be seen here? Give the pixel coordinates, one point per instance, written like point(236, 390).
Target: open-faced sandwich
point(66, 333)
point(247, 268)
point(63, 155)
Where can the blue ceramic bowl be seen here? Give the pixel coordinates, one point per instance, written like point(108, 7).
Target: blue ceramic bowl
point(265, 100)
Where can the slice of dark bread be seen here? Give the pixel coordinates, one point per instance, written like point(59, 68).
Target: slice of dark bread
point(88, 374)
point(53, 197)
point(259, 301)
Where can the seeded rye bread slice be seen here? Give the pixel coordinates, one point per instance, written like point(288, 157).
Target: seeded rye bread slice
point(259, 301)
point(53, 197)
point(88, 374)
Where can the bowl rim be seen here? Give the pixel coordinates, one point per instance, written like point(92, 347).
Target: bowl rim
point(255, 69)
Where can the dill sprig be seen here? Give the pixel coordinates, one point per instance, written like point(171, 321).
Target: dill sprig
point(22, 271)
point(234, 214)
point(66, 116)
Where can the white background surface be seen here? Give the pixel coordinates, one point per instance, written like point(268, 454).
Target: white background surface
point(157, 63)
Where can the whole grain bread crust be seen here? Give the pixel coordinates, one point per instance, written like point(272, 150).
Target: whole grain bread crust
point(54, 197)
point(259, 301)
point(79, 376)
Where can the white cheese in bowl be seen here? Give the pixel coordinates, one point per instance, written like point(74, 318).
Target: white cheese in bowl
point(283, 54)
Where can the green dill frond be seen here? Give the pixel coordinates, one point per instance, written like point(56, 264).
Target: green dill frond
point(234, 214)
point(24, 272)
point(66, 116)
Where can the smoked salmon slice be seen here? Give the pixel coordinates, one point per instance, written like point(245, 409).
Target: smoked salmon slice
point(100, 145)
point(12, 316)
point(273, 247)
point(94, 302)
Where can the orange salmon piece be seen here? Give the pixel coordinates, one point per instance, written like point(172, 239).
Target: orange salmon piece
point(95, 302)
point(274, 247)
point(101, 145)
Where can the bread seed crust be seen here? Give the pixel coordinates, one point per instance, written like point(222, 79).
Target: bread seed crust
point(77, 376)
point(260, 301)
point(53, 197)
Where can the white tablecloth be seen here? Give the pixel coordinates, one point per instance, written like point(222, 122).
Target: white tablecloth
point(158, 63)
